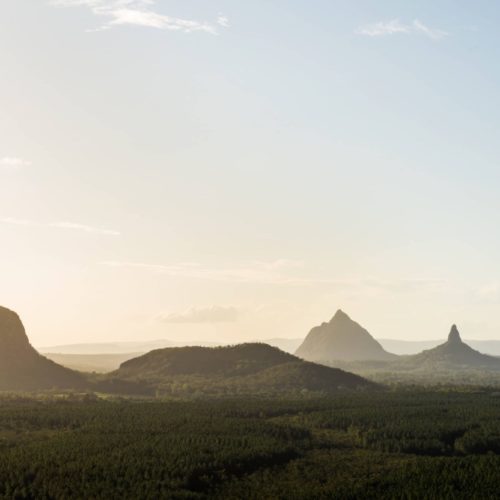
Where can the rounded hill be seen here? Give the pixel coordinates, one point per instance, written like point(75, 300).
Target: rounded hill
point(239, 369)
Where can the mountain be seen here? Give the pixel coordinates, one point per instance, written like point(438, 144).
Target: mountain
point(126, 348)
point(401, 347)
point(452, 354)
point(341, 339)
point(99, 348)
point(91, 363)
point(21, 367)
point(250, 369)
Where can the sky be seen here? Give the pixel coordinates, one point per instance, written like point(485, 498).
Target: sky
point(234, 171)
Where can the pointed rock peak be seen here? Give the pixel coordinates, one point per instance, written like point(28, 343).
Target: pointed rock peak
point(454, 335)
point(341, 316)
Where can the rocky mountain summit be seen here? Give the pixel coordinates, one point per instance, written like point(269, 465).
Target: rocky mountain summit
point(342, 339)
point(453, 354)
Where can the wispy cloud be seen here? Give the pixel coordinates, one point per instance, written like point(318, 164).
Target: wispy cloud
point(282, 272)
point(84, 228)
point(223, 21)
point(403, 285)
point(396, 27)
point(60, 225)
point(276, 272)
point(12, 162)
point(212, 314)
point(489, 293)
point(140, 13)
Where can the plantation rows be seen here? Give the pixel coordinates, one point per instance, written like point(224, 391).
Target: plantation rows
point(386, 445)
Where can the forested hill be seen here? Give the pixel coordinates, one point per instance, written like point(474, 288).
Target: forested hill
point(242, 359)
point(22, 367)
point(240, 369)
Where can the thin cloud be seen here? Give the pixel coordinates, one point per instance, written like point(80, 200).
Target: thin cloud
point(14, 162)
point(60, 225)
point(396, 27)
point(213, 314)
point(281, 272)
point(17, 222)
point(277, 272)
point(223, 21)
point(140, 13)
point(489, 294)
point(84, 228)
point(404, 285)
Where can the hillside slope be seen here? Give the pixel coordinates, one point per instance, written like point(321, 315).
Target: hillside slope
point(22, 367)
point(241, 369)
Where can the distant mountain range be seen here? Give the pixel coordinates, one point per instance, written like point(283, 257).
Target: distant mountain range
point(92, 363)
point(287, 345)
point(344, 343)
point(395, 346)
point(339, 342)
point(250, 369)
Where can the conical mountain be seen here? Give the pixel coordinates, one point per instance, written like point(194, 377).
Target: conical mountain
point(342, 339)
point(454, 353)
point(21, 367)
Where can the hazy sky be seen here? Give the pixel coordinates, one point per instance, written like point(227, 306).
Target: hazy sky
point(228, 170)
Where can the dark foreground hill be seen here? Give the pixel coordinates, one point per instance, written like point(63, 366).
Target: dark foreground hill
point(22, 368)
point(342, 339)
point(242, 369)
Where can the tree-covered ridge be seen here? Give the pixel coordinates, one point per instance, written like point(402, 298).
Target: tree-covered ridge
point(236, 360)
point(256, 369)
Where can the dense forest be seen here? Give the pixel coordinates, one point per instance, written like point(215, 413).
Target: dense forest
point(399, 444)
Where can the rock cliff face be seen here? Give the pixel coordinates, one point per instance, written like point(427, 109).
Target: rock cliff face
point(342, 339)
point(454, 336)
point(21, 367)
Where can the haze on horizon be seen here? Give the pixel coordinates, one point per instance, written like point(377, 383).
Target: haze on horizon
point(233, 171)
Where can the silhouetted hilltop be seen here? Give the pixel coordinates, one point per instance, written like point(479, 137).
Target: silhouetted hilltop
point(239, 369)
point(341, 339)
point(452, 354)
point(242, 359)
point(21, 367)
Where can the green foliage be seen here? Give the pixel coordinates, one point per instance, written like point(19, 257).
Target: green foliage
point(398, 444)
